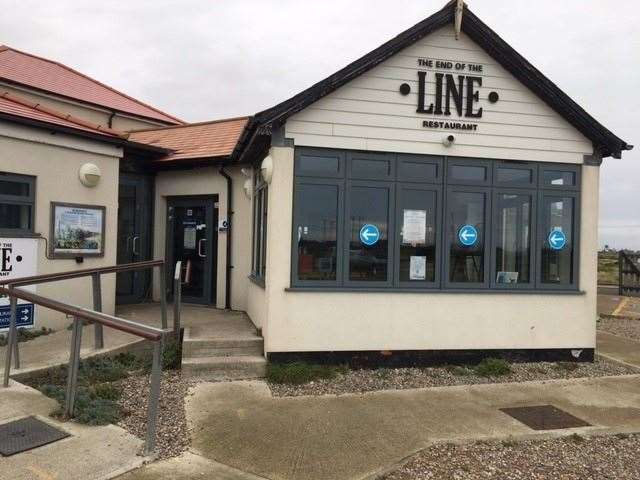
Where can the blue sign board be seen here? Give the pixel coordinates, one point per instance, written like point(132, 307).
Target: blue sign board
point(369, 234)
point(468, 235)
point(557, 239)
point(24, 315)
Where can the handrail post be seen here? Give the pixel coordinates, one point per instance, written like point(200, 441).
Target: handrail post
point(154, 397)
point(97, 306)
point(12, 339)
point(74, 363)
point(177, 299)
point(163, 295)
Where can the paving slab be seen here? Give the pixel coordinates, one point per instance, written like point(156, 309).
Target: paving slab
point(355, 436)
point(89, 453)
point(618, 348)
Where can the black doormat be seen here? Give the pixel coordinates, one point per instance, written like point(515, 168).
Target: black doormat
point(26, 434)
point(544, 417)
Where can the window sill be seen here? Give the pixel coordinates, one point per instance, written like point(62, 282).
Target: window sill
point(485, 291)
point(259, 281)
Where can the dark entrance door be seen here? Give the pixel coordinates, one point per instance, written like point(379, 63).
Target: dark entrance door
point(192, 238)
point(134, 236)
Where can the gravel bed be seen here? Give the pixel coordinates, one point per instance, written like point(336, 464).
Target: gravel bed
point(625, 327)
point(573, 458)
point(360, 381)
point(172, 435)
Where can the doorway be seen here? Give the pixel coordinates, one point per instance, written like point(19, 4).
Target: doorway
point(134, 236)
point(192, 238)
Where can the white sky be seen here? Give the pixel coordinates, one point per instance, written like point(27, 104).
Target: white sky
point(202, 60)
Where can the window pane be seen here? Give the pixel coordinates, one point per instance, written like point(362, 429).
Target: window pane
point(466, 262)
point(559, 178)
point(369, 206)
point(557, 247)
point(365, 168)
point(468, 173)
point(416, 171)
point(513, 239)
point(263, 230)
point(514, 176)
point(15, 216)
point(417, 225)
point(318, 165)
point(317, 231)
point(10, 187)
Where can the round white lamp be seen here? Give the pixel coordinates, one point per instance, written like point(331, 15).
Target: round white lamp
point(89, 175)
point(266, 169)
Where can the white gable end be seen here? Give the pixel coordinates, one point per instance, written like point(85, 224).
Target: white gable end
point(370, 113)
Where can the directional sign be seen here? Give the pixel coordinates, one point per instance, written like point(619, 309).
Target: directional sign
point(24, 315)
point(369, 234)
point(557, 239)
point(468, 235)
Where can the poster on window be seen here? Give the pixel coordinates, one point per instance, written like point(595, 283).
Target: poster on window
point(18, 259)
point(414, 226)
point(417, 268)
point(77, 230)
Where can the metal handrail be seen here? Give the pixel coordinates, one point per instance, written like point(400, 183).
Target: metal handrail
point(86, 272)
point(153, 334)
point(139, 329)
point(177, 297)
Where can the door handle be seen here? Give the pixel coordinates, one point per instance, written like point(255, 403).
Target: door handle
point(200, 254)
point(133, 245)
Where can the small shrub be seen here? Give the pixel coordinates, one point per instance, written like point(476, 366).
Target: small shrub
point(171, 356)
point(297, 373)
point(100, 370)
point(105, 391)
point(53, 391)
point(126, 359)
point(98, 411)
point(509, 442)
point(460, 371)
point(575, 438)
point(493, 367)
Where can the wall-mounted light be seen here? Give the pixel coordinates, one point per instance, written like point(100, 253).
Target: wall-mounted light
point(266, 169)
point(89, 175)
point(448, 140)
point(248, 188)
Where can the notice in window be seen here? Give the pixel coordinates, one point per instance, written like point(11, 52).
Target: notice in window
point(190, 238)
point(417, 268)
point(414, 227)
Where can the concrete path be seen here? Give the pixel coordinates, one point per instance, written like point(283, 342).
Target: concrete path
point(353, 436)
point(620, 349)
point(89, 453)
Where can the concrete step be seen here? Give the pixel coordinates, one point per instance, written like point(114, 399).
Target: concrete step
point(236, 367)
point(222, 347)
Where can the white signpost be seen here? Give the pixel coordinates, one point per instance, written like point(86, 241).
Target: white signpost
point(18, 258)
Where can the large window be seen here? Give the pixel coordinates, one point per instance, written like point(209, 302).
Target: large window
point(259, 247)
point(379, 220)
point(17, 203)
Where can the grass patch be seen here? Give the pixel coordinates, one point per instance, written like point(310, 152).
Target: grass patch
point(607, 267)
point(493, 367)
point(297, 373)
point(26, 334)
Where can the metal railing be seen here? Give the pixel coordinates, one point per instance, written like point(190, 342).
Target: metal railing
point(11, 289)
point(629, 274)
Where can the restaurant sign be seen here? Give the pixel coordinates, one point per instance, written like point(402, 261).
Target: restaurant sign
point(455, 94)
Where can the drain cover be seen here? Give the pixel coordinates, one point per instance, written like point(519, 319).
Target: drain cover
point(26, 434)
point(544, 417)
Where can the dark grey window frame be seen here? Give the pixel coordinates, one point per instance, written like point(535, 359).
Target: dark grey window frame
point(488, 245)
point(259, 228)
point(21, 200)
point(443, 184)
point(340, 238)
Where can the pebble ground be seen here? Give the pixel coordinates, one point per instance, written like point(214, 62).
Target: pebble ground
point(623, 327)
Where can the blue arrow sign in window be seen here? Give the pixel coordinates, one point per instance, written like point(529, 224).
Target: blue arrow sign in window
point(24, 315)
point(468, 235)
point(557, 239)
point(369, 234)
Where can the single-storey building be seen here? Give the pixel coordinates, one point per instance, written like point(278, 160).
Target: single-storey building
point(438, 194)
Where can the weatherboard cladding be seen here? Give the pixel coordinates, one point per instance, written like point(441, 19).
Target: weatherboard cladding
point(481, 41)
point(369, 113)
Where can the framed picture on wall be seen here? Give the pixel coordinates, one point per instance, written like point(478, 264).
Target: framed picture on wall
point(77, 230)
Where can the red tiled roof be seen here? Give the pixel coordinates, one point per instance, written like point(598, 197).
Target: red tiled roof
point(197, 140)
point(47, 75)
point(17, 106)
